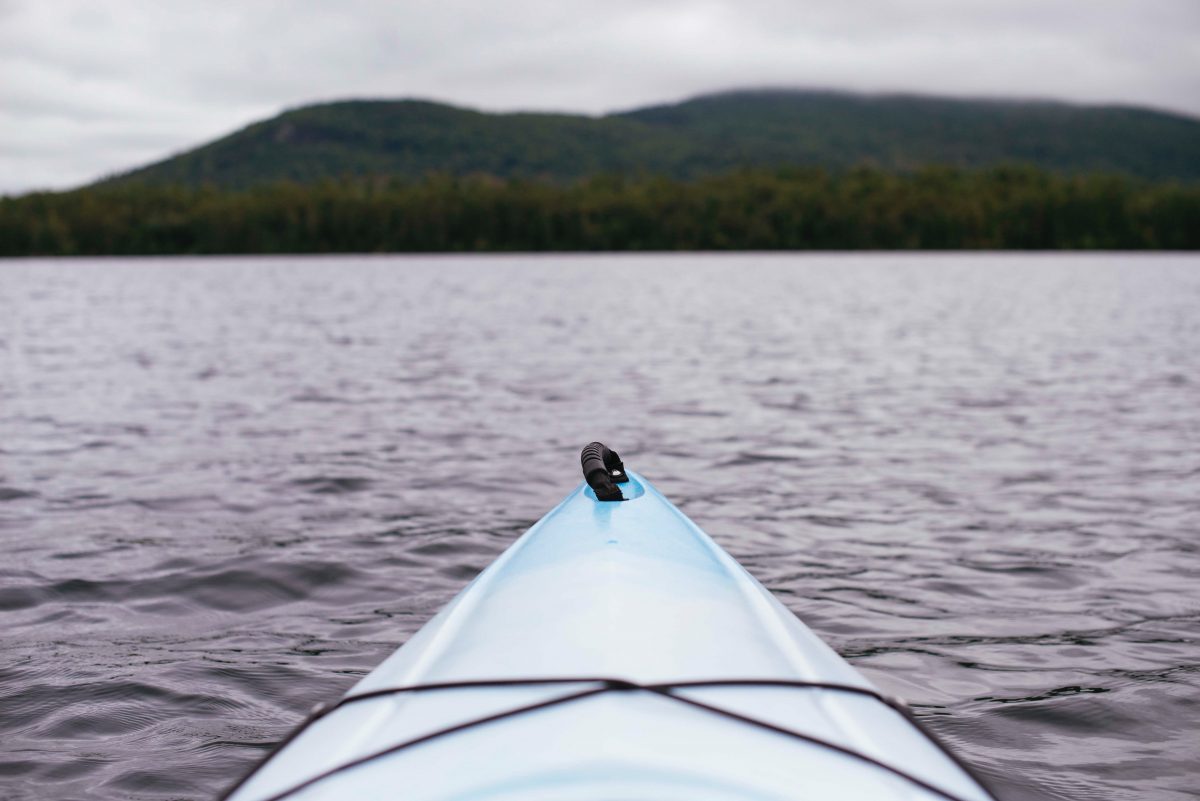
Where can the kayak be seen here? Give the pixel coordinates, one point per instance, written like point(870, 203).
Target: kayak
point(614, 651)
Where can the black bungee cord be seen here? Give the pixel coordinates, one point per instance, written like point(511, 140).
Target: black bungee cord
point(667, 690)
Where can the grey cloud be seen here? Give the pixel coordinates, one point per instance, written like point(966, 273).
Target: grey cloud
point(101, 87)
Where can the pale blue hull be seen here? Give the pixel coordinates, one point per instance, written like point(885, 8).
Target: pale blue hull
point(635, 591)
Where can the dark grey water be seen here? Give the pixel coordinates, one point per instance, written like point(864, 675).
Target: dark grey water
point(230, 487)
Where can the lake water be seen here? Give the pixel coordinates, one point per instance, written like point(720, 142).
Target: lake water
point(230, 487)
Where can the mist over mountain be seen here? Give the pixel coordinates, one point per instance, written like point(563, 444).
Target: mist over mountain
point(701, 136)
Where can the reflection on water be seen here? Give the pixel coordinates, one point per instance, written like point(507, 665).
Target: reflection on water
point(230, 487)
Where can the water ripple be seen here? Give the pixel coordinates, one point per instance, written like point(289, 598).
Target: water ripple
point(230, 487)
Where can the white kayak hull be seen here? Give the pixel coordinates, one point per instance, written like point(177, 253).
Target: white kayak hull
point(633, 591)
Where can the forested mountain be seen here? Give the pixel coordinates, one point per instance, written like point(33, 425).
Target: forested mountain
point(741, 170)
point(703, 136)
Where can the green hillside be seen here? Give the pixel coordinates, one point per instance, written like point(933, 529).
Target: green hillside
point(706, 135)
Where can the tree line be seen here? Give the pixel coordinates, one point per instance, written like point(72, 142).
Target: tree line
point(783, 209)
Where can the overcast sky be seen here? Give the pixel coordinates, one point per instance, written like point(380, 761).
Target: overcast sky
point(88, 87)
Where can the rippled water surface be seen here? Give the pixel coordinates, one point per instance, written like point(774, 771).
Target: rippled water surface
point(230, 487)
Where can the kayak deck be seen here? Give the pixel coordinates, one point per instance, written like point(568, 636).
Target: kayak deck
point(634, 591)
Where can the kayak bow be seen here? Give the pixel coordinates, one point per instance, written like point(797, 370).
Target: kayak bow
point(614, 651)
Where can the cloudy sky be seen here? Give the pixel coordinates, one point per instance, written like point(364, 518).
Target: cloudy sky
point(87, 87)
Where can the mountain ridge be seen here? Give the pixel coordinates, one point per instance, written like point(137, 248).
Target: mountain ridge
point(703, 135)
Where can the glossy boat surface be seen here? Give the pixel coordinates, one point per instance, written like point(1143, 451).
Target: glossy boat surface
point(631, 590)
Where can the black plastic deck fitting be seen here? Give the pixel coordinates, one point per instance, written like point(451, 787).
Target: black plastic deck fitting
point(603, 470)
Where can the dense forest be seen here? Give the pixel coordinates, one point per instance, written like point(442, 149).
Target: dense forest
point(708, 135)
point(795, 208)
point(738, 170)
